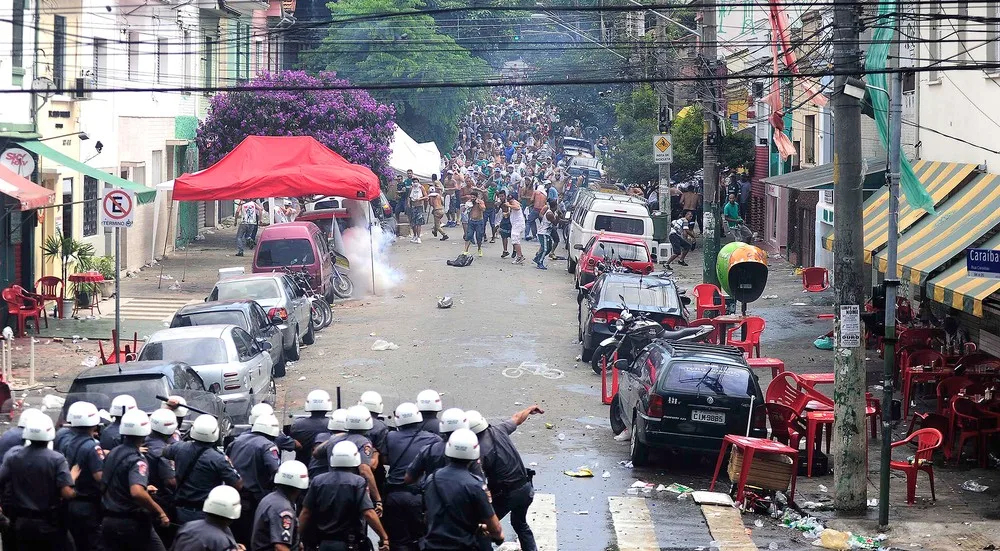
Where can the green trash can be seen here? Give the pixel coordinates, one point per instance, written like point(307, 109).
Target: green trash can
point(661, 227)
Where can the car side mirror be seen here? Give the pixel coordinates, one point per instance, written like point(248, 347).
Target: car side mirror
point(264, 344)
point(578, 247)
point(622, 364)
point(276, 320)
point(686, 301)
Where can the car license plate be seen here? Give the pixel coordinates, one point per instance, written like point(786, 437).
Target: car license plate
point(702, 416)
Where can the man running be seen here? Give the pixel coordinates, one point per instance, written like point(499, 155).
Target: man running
point(681, 238)
point(249, 217)
point(437, 211)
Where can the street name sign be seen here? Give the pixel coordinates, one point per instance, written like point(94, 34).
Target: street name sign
point(983, 263)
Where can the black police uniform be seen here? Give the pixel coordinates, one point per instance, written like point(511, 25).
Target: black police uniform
point(35, 476)
point(456, 504)
point(11, 438)
point(161, 470)
point(430, 423)
point(284, 442)
point(202, 535)
point(256, 458)
point(432, 458)
point(110, 437)
point(509, 482)
point(337, 501)
point(83, 513)
point(377, 435)
point(304, 431)
point(200, 467)
point(275, 522)
point(402, 517)
point(126, 526)
point(365, 447)
point(319, 465)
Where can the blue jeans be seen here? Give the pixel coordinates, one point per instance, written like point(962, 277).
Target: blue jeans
point(530, 229)
point(516, 503)
point(476, 232)
point(544, 248)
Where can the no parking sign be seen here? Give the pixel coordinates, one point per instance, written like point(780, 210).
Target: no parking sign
point(118, 208)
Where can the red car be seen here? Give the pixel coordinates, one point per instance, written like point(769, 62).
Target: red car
point(632, 252)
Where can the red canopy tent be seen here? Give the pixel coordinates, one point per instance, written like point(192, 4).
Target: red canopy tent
point(278, 166)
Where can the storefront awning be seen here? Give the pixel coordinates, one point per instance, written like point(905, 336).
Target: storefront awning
point(821, 177)
point(940, 179)
point(143, 194)
point(961, 221)
point(954, 287)
point(28, 194)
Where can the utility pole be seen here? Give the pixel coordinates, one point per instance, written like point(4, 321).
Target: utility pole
point(712, 223)
point(850, 440)
point(663, 93)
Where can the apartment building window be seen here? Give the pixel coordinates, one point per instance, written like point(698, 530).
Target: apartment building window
point(132, 49)
point(992, 33)
point(91, 198)
point(17, 38)
point(161, 59)
point(809, 149)
point(100, 61)
point(962, 20)
point(59, 51)
point(934, 41)
point(208, 57)
point(67, 209)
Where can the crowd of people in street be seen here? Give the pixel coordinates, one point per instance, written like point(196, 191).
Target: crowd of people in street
point(435, 479)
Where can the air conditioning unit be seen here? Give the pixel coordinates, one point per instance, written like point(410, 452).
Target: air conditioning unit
point(83, 89)
point(89, 76)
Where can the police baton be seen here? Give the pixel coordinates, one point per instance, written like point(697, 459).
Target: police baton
point(192, 408)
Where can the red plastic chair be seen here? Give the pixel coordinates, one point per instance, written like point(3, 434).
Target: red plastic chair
point(949, 388)
point(708, 298)
point(712, 337)
point(751, 345)
point(970, 423)
point(927, 357)
point(786, 425)
point(789, 390)
point(928, 440)
point(51, 288)
point(815, 279)
point(23, 308)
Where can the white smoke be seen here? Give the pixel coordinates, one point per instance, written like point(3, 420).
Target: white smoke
point(368, 252)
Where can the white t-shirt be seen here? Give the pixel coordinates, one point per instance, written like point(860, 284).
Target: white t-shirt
point(249, 213)
point(416, 192)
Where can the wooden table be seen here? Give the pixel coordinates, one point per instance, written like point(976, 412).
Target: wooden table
point(748, 445)
point(88, 277)
point(724, 322)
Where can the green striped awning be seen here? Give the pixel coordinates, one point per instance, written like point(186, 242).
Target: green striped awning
point(143, 194)
point(961, 221)
point(940, 179)
point(956, 288)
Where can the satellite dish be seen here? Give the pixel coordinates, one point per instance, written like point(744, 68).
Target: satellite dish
point(44, 86)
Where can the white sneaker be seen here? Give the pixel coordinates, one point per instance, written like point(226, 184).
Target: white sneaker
point(417, 241)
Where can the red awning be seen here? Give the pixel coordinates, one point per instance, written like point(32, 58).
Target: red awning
point(278, 166)
point(28, 194)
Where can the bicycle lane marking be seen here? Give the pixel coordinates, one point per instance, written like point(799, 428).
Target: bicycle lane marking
point(533, 369)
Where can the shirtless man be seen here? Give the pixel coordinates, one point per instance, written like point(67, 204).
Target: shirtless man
point(477, 224)
point(436, 201)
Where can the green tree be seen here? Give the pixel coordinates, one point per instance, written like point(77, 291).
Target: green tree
point(366, 46)
point(736, 149)
point(632, 158)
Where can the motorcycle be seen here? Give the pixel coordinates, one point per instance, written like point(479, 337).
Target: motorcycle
point(343, 287)
point(635, 332)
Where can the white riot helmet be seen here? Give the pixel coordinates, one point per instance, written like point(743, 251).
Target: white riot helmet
point(223, 501)
point(27, 414)
point(163, 421)
point(453, 419)
point(293, 473)
point(373, 401)
point(179, 410)
point(266, 424)
point(358, 418)
point(120, 404)
point(82, 414)
point(39, 428)
point(338, 421)
point(262, 408)
point(476, 422)
point(429, 400)
point(345, 454)
point(318, 400)
point(462, 444)
point(407, 414)
point(135, 422)
point(205, 429)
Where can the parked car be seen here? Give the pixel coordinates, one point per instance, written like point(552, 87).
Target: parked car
point(296, 245)
point(589, 167)
point(617, 213)
point(142, 380)
point(656, 297)
point(633, 253)
point(687, 396)
point(280, 297)
point(245, 314)
point(230, 362)
point(572, 147)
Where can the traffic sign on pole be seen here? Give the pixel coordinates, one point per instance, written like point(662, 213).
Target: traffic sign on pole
point(118, 208)
point(663, 149)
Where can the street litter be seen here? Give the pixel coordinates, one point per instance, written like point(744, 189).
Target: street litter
point(553, 304)
point(823, 488)
point(587, 427)
point(89, 361)
point(973, 486)
point(561, 436)
point(533, 464)
point(626, 464)
point(773, 545)
point(445, 302)
point(677, 488)
point(606, 474)
point(381, 344)
point(758, 523)
point(549, 425)
point(371, 334)
point(539, 291)
point(580, 472)
point(769, 297)
point(581, 512)
point(873, 502)
point(798, 304)
point(302, 378)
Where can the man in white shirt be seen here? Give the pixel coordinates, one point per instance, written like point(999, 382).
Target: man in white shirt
point(416, 214)
point(249, 217)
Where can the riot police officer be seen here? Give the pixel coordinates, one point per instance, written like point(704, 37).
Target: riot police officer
point(373, 402)
point(81, 449)
point(432, 458)
point(163, 428)
point(403, 510)
point(127, 503)
point(15, 436)
point(429, 404)
point(119, 405)
point(36, 478)
point(305, 429)
point(284, 442)
point(335, 504)
point(509, 482)
point(177, 404)
point(336, 425)
point(200, 468)
point(275, 525)
point(358, 422)
point(456, 501)
point(212, 533)
point(256, 459)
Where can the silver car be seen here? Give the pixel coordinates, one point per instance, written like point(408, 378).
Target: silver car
point(281, 298)
point(230, 362)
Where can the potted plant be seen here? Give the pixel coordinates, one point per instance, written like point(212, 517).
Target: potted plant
point(71, 254)
point(106, 266)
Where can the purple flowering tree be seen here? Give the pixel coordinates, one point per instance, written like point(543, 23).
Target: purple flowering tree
point(349, 122)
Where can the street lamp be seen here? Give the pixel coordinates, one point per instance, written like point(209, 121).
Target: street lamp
point(82, 135)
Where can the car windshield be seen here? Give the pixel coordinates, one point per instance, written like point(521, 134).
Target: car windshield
point(194, 351)
point(618, 224)
point(254, 289)
point(706, 378)
point(285, 252)
point(579, 144)
point(143, 388)
point(621, 251)
point(221, 317)
point(652, 293)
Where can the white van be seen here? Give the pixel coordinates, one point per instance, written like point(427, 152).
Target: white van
point(611, 213)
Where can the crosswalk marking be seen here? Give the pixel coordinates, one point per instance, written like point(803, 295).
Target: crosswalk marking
point(633, 524)
point(726, 527)
point(150, 309)
point(542, 519)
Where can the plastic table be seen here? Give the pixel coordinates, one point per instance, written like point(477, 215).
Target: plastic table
point(824, 421)
point(749, 445)
point(818, 378)
point(88, 277)
point(777, 366)
point(724, 322)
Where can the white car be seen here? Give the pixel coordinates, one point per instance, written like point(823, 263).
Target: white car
point(611, 213)
point(230, 362)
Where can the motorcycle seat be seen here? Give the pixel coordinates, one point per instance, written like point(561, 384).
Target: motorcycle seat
point(685, 332)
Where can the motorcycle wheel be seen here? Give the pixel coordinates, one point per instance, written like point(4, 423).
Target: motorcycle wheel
point(319, 318)
point(599, 355)
point(327, 312)
point(343, 287)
